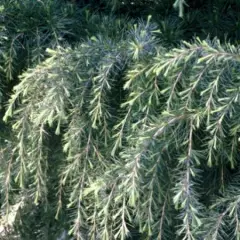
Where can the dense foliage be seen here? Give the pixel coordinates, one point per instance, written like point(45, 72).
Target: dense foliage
point(116, 124)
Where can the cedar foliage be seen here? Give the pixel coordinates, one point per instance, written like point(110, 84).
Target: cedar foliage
point(116, 127)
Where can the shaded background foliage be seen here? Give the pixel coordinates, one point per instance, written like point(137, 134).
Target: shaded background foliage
point(115, 124)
